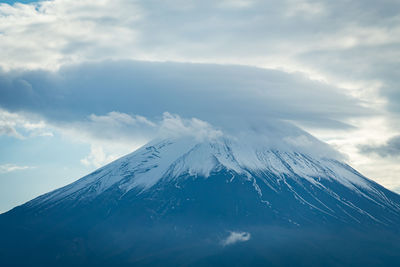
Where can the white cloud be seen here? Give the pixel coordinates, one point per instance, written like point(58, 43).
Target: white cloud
point(235, 237)
point(89, 31)
point(118, 118)
point(109, 136)
point(6, 168)
point(116, 134)
point(22, 125)
point(49, 33)
point(112, 135)
point(8, 123)
point(97, 157)
point(174, 125)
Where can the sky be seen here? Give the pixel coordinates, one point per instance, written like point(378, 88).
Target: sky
point(84, 82)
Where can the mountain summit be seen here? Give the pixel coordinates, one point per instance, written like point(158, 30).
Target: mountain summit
point(189, 200)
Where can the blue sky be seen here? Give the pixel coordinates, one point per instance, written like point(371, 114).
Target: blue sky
point(11, 2)
point(42, 165)
point(84, 82)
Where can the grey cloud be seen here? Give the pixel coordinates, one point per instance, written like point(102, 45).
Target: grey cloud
point(368, 65)
point(351, 40)
point(215, 93)
point(390, 149)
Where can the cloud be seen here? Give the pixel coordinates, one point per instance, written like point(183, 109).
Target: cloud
point(92, 28)
point(173, 125)
point(110, 135)
point(112, 127)
point(21, 126)
point(172, 30)
point(235, 237)
point(117, 119)
point(8, 123)
point(390, 149)
point(119, 105)
point(305, 8)
point(214, 93)
point(344, 44)
point(6, 168)
point(106, 133)
point(97, 157)
point(353, 45)
point(113, 134)
point(10, 131)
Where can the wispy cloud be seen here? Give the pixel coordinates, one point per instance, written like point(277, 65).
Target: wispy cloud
point(235, 237)
point(6, 168)
point(22, 125)
point(115, 133)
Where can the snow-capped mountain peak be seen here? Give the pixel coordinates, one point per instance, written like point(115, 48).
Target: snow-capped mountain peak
point(174, 158)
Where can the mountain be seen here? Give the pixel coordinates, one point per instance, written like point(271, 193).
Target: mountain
point(226, 200)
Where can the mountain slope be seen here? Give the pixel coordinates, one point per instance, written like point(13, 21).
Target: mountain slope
point(190, 201)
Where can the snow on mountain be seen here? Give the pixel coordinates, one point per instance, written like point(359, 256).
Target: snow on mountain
point(171, 158)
